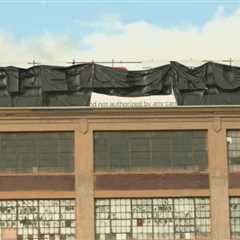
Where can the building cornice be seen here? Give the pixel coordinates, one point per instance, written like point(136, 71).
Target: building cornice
point(122, 113)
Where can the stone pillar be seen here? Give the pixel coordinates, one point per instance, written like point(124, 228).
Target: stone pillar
point(84, 180)
point(218, 176)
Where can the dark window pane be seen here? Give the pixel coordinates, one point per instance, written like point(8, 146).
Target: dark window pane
point(118, 160)
point(150, 150)
point(161, 159)
point(36, 152)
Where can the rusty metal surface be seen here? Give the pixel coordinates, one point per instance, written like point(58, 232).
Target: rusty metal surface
point(30, 183)
point(234, 180)
point(151, 181)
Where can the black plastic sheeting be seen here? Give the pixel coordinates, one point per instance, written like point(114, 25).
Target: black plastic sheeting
point(209, 84)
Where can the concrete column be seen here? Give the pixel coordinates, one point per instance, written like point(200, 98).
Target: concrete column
point(218, 176)
point(84, 185)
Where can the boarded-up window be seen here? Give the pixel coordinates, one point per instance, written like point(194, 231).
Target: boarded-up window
point(38, 219)
point(150, 150)
point(36, 152)
point(155, 219)
point(235, 217)
point(233, 140)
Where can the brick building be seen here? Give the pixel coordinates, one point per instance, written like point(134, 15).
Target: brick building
point(70, 171)
point(83, 173)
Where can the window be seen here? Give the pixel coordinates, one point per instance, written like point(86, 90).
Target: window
point(36, 152)
point(157, 218)
point(39, 219)
point(235, 217)
point(233, 140)
point(150, 150)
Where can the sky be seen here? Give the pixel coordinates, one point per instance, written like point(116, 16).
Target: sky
point(153, 31)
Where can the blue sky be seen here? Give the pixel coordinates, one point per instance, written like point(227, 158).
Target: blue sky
point(55, 31)
point(36, 17)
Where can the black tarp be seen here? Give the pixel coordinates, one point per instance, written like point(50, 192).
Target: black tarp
point(208, 84)
point(132, 83)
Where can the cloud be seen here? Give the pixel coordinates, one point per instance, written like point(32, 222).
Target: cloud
point(111, 38)
point(46, 49)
